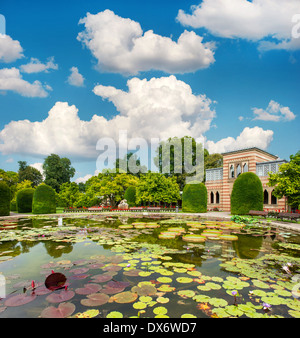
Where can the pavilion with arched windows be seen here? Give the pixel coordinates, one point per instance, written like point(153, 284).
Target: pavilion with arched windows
point(219, 181)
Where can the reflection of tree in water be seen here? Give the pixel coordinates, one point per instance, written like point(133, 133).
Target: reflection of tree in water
point(27, 245)
point(55, 249)
point(12, 248)
point(247, 246)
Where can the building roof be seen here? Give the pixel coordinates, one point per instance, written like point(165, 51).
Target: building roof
point(247, 149)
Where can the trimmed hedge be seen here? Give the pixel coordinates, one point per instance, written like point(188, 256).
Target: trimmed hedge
point(44, 200)
point(194, 198)
point(24, 200)
point(4, 199)
point(130, 196)
point(247, 194)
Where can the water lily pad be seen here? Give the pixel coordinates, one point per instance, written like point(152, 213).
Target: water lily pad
point(160, 310)
point(87, 314)
point(166, 288)
point(95, 299)
point(162, 300)
point(186, 293)
point(139, 305)
point(19, 299)
point(233, 310)
point(188, 315)
point(114, 314)
point(218, 302)
point(164, 279)
point(62, 296)
point(228, 237)
point(194, 238)
point(184, 280)
point(102, 278)
point(213, 286)
point(144, 290)
point(125, 297)
point(88, 289)
point(62, 311)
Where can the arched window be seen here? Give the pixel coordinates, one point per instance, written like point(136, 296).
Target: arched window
point(217, 197)
point(238, 170)
point(211, 197)
point(245, 168)
point(273, 198)
point(266, 197)
point(231, 171)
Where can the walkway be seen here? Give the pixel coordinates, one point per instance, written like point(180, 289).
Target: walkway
point(214, 215)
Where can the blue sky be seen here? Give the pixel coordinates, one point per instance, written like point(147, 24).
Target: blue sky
point(231, 77)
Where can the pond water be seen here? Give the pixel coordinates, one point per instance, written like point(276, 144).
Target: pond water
point(145, 267)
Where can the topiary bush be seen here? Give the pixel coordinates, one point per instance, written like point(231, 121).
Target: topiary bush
point(43, 201)
point(4, 199)
point(24, 200)
point(247, 194)
point(130, 196)
point(13, 205)
point(194, 198)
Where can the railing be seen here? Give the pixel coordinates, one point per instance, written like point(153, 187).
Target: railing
point(135, 209)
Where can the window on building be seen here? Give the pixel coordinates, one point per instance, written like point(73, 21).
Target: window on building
point(245, 168)
point(273, 198)
point(211, 197)
point(266, 197)
point(238, 170)
point(231, 171)
point(217, 197)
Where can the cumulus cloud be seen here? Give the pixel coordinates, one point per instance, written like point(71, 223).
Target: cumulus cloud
point(160, 107)
point(255, 20)
point(10, 50)
point(121, 46)
point(274, 112)
point(36, 66)
point(11, 79)
point(249, 137)
point(75, 78)
point(83, 179)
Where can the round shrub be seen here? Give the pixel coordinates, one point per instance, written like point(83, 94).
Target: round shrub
point(24, 200)
point(130, 196)
point(194, 198)
point(247, 194)
point(4, 199)
point(43, 201)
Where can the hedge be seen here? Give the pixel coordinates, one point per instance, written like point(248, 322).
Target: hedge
point(130, 196)
point(247, 194)
point(44, 200)
point(24, 200)
point(4, 199)
point(194, 198)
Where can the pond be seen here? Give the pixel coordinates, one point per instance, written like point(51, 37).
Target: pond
point(116, 266)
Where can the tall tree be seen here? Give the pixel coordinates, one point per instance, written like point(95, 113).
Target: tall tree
point(287, 181)
point(57, 171)
point(155, 187)
point(26, 172)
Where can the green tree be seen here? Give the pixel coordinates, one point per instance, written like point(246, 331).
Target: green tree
point(194, 198)
point(130, 196)
point(57, 171)
point(247, 194)
point(11, 178)
point(172, 159)
point(4, 199)
point(287, 181)
point(68, 194)
point(126, 162)
point(29, 173)
point(155, 187)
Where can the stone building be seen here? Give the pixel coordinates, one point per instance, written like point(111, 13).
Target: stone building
point(219, 181)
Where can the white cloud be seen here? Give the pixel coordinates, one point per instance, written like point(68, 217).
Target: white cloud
point(36, 66)
point(38, 166)
point(161, 107)
point(10, 50)
point(11, 79)
point(256, 20)
point(274, 112)
point(75, 78)
point(83, 179)
point(119, 45)
point(249, 137)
